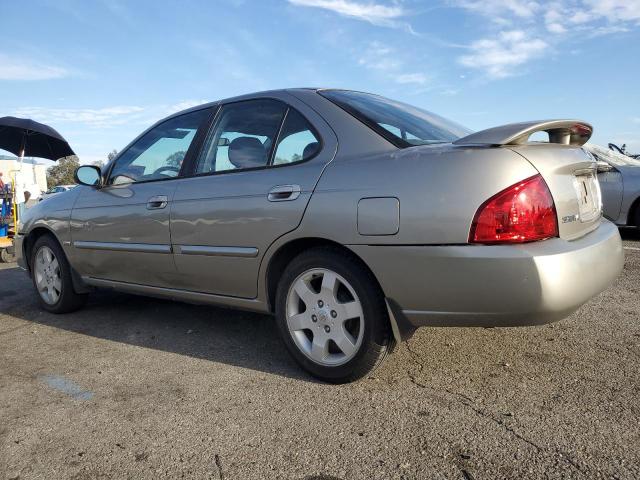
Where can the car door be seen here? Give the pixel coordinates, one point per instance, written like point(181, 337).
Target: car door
point(611, 188)
point(250, 185)
point(120, 232)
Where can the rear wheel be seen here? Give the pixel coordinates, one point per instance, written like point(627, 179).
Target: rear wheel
point(332, 316)
point(52, 277)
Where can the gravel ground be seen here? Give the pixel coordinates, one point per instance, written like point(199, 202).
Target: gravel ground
point(140, 388)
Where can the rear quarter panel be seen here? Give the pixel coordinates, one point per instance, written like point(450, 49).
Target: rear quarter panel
point(559, 165)
point(439, 189)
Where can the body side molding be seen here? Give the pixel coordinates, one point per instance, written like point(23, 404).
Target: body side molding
point(123, 246)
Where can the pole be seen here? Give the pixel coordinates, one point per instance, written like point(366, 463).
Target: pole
point(15, 205)
point(15, 197)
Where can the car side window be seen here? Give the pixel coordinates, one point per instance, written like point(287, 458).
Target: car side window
point(242, 136)
point(297, 141)
point(159, 153)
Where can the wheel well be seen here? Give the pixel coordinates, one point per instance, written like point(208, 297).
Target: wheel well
point(290, 250)
point(633, 213)
point(31, 240)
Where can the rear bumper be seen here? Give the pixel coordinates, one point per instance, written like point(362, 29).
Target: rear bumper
point(489, 286)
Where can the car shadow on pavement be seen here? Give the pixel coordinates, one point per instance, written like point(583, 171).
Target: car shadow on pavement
point(243, 339)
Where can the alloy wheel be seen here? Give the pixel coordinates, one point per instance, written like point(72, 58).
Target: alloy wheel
point(324, 317)
point(48, 276)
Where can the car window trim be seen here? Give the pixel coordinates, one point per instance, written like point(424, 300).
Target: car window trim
point(269, 165)
point(191, 158)
point(187, 157)
point(276, 140)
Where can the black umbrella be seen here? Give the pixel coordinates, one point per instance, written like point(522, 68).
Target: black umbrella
point(25, 137)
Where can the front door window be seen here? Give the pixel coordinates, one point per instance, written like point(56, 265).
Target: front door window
point(159, 153)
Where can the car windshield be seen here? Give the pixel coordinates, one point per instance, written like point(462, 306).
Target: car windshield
point(401, 124)
point(611, 156)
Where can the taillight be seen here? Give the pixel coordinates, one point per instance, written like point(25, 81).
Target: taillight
point(524, 212)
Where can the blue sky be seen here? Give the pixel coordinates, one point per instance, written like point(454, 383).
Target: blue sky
point(101, 71)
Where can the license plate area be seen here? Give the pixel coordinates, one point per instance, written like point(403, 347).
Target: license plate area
point(588, 192)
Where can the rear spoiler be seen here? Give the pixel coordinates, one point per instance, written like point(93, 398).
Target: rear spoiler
point(565, 132)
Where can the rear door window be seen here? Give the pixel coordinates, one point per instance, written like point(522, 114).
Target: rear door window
point(242, 137)
point(257, 134)
point(297, 141)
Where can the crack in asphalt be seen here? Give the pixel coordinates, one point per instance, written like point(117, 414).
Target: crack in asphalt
point(219, 466)
point(468, 402)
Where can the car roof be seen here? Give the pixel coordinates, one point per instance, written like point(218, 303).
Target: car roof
point(246, 96)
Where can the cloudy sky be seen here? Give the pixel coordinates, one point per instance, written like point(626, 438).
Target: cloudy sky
point(102, 71)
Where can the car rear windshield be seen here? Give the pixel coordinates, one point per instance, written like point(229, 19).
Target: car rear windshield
point(401, 124)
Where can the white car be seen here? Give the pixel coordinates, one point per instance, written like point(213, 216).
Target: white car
point(55, 190)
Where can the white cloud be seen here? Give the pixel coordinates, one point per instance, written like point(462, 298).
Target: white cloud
point(375, 13)
point(412, 78)
point(93, 117)
point(379, 57)
point(500, 8)
point(183, 105)
point(540, 26)
point(17, 68)
point(556, 28)
point(554, 18)
point(499, 57)
point(106, 117)
point(615, 10)
point(388, 62)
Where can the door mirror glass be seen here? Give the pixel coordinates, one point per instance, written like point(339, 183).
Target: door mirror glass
point(88, 175)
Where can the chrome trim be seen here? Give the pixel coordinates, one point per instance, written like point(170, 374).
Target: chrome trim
point(284, 193)
point(216, 251)
point(123, 247)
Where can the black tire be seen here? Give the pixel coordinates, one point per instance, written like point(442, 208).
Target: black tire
point(377, 339)
point(7, 255)
point(69, 300)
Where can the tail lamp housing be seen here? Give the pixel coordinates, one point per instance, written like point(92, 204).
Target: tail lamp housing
point(524, 212)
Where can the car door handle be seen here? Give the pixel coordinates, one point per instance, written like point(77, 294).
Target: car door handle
point(157, 202)
point(283, 193)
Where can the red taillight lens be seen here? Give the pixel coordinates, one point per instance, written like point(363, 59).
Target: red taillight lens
point(522, 213)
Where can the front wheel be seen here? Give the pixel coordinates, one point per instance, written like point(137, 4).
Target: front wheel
point(332, 316)
point(51, 274)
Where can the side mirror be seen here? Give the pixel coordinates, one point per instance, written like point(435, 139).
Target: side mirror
point(89, 175)
point(603, 166)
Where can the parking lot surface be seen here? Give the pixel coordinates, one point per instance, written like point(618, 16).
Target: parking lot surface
point(132, 387)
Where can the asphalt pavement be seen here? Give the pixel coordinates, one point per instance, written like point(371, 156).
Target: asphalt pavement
point(132, 387)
